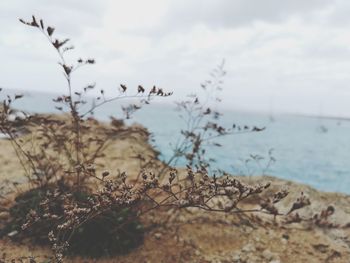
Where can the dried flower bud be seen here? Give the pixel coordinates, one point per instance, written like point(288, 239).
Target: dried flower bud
point(105, 173)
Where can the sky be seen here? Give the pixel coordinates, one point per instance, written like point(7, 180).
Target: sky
point(281, 56)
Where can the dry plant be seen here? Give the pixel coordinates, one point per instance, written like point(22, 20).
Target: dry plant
point(84, 211)
point(59, 152)
point(202, 117)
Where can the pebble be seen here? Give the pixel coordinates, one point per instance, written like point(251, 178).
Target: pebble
point(181, 218)
point(13, 233)
point(285, 236)
point(4, 215)
point(248, 248)
point(268, 255)
point(236, 258)
point(158, 235)
point(284, 241)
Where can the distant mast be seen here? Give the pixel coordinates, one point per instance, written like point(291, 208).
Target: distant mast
point(271, 117)
point(322, 128)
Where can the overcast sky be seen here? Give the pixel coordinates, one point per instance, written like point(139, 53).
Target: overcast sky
point(290, 55)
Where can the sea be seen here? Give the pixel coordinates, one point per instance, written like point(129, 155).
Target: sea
point(310, 150)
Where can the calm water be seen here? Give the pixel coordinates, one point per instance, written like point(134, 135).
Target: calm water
point(303, 152)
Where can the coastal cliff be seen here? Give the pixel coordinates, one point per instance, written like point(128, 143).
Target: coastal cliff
point(198, 236)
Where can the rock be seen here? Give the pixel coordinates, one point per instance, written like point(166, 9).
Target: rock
point(236, 258)
point(284, 241)
point(4, 215)
point(249, 230)
point(285, 236)
point(268, 255)
point(13, 233)
point(181, 218)
point(158, 235)
point(248, 248)
point(321, 248)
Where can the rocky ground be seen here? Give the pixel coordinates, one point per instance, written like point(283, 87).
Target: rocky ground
point(197, 236)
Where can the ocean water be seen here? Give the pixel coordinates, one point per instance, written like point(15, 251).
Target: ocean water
point(307, 150)
point(313, 151)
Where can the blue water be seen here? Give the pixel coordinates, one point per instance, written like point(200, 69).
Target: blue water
point(303, 152)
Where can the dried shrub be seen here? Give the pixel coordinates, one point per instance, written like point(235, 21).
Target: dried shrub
point(102, 235)
point(203, 127)
point(59, 155)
